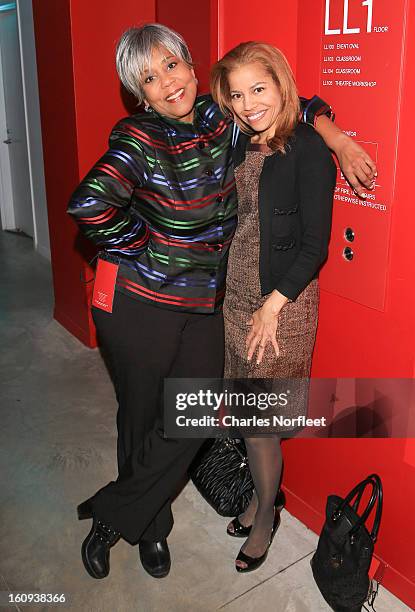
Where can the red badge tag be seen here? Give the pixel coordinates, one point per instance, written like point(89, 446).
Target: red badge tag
point(104, 285)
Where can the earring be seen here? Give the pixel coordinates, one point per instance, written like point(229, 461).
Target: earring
point(146, 107)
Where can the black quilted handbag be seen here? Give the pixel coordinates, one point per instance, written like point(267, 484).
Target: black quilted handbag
point(341, 562)
point(221, 475)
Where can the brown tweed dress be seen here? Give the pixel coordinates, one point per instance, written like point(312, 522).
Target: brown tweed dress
point(297, 322)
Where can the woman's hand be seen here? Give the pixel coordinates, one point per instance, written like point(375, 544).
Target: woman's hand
point(264, 323)
point(356, 165)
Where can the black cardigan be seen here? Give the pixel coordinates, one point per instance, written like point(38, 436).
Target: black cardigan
point(295, 208)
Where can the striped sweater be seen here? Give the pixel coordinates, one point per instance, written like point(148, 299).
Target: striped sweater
point(161, 202)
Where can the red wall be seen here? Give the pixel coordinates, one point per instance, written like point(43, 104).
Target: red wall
point(80, 100)
point(60, 152)
point(271, 22)
point(357, 341)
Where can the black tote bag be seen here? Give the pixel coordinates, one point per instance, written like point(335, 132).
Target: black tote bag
point(341, 562)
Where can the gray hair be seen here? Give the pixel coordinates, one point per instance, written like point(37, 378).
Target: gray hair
point(134, 53)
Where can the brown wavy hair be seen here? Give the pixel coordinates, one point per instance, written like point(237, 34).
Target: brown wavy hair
point(278, 68)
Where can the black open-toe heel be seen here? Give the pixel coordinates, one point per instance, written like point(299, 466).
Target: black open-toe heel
point(252, 563)
point(242, 531)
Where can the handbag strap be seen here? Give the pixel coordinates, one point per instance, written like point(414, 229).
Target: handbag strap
point(379, 508)
point(376, 496)
point(356, 503)
point(358, 490)
point(369, 507)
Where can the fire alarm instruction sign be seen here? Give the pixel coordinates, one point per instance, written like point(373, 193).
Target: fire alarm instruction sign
point(362, 47)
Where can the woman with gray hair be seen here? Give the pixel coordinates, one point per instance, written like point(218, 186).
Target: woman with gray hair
point(161, 207)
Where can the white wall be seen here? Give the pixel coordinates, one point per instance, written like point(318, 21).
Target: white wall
point(33, 126)
point(6, 190)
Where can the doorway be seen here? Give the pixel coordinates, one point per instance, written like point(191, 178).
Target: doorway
point(22, 185)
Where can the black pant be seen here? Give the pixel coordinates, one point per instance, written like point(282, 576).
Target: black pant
point(144, 344)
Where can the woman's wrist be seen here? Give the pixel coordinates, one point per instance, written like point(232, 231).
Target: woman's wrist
point(339, 141)
point(332, 135)
point(277, 301)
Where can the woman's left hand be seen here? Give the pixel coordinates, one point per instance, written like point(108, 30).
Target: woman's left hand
point(356, 165)
point(264, 323)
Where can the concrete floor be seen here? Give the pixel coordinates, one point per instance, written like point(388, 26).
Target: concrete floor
point(58, 446)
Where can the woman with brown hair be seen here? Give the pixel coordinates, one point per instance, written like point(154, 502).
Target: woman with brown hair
point(285, 178)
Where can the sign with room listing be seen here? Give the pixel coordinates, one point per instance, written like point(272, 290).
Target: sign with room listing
point(361, 54)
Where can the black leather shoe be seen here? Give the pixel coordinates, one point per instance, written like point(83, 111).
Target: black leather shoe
point(84, 510)
point(155, 557)
point(96, 549)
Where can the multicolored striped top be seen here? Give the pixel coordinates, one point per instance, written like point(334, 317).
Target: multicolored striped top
point(161, 202)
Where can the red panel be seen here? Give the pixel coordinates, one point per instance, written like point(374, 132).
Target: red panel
point(56, 89)
point(354, 340)
point(360, 60)
point(80, 100)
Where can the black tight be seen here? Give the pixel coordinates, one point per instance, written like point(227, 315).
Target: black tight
point(265, 463)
